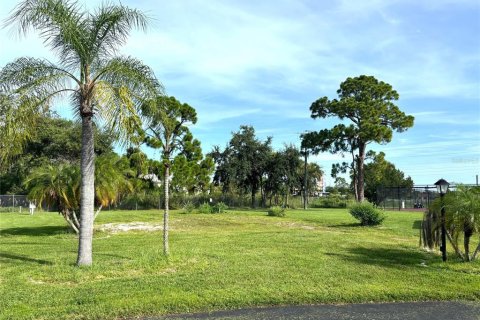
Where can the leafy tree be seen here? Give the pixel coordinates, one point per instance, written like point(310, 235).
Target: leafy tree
point(282, 173)
point(380, 172)
point(243, 163)
point(341, 186)
point(367, 105)
point(138, 160)
point(166, 128)
point(223, 171)
point(99, 83)
point(190, 170)
point(54, 141)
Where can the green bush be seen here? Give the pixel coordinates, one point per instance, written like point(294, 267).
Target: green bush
point(367, 214)
point(331, 201)
point(205, 208)
point(276, 211)
point(220, 207)
point(188, 207)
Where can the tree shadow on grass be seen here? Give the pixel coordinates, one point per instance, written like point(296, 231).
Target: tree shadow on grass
point(339, 225)
point(6, 257)
point(346, 225)
point(385, 257)
point(35, 231)
point(417, 224)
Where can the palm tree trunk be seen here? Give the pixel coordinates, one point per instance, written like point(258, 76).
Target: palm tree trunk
point(467, 234)
point(474, 256)
point(454, 246)
point(87, 193)
point(166, 250)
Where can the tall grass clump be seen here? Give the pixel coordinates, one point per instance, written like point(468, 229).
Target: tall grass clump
point(220, 207)
point(277, 211)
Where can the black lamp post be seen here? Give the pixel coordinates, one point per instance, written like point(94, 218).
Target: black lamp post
point(442, 188)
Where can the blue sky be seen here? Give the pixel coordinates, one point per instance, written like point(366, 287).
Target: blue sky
point(263, 63)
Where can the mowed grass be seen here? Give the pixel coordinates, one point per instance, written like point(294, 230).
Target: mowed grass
point(223, 261)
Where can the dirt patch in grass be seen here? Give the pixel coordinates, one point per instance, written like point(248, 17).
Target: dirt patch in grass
point(294, 225)
point(131, 226)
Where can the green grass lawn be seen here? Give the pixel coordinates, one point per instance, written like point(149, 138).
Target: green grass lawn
point(224, 261)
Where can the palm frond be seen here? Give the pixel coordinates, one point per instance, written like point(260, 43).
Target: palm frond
point(35, 78)
point(18, 117)
point(61, 24)
point(110, 27)
point(110, 179)
point(132, 73)
point(121, 87)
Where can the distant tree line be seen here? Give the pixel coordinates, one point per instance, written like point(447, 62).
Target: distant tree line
point(248, 165)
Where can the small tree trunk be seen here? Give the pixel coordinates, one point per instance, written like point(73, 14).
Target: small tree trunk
point(166, 249)
point(66, 215)
point(354, 175)
point(360, 172)
point(87, 191)
point(467, 234)
point(98, 211)
point(454, 245)
point(75, 219)
point(474, 256)
point(253, 197)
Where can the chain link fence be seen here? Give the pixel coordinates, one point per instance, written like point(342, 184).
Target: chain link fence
point(13, 203)
point(400, 198)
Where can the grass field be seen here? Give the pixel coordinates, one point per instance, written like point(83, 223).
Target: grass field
point(224, 261)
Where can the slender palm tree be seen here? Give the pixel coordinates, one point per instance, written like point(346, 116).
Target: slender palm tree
point(166, 122)
point(100, 84)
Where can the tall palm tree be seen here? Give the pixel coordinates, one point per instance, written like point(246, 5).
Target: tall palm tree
point(100, 84)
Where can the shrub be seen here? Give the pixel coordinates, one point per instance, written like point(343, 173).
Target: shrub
point(367, 214)
point(188, 207)
point(220, 207)
point(331, 201)
point(276, 211)
point(205, 208)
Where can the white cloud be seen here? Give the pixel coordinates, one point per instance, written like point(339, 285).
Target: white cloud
point(267, 61)
point(208, 118)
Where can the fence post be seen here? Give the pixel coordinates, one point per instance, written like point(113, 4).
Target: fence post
point(399, 200)
point(428, 196)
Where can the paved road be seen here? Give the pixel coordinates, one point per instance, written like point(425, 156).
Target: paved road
point(383, 311)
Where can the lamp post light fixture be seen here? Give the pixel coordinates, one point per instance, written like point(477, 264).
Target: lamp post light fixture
point(442, 188)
